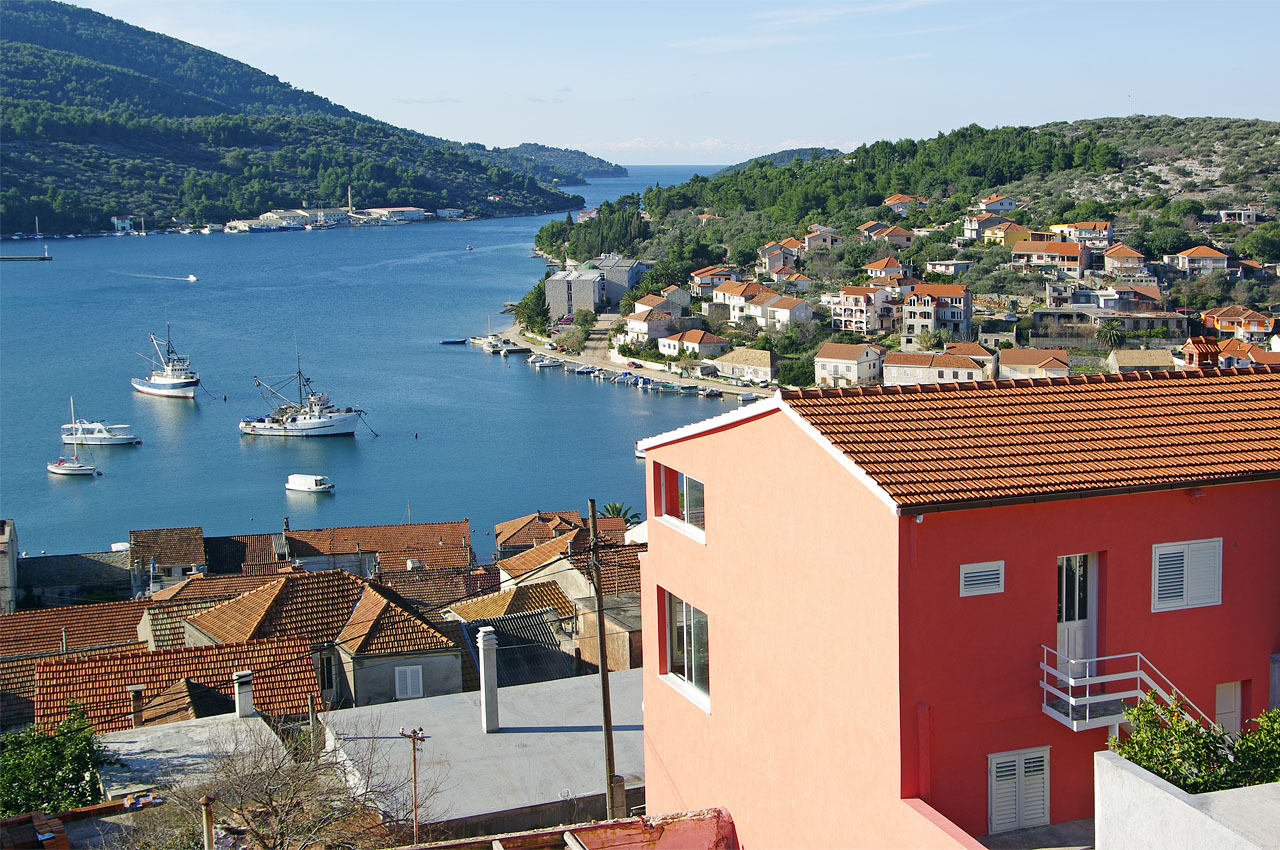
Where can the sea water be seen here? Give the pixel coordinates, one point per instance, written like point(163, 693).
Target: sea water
point(459, 433)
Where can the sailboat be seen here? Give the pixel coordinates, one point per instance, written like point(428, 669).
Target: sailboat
point(173, 378)
point(312, 415)
point(72, 465)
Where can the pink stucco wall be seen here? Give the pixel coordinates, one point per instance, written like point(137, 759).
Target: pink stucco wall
point(974, 660)
point(798, 581)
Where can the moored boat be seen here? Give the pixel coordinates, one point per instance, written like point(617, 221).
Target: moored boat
point(710, 392)
point(312, 415)
point(81, 432)
point(746, 398)
point(548, 363)
point(453, 342)
point(72, 465)
point(304, 483)
point(173, 378)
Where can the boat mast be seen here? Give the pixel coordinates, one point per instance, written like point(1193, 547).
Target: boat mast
point(75, 448)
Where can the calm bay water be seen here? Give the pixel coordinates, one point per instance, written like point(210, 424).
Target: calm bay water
point(494, 439)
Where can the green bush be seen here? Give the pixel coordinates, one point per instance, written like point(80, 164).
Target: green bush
point(51, 769)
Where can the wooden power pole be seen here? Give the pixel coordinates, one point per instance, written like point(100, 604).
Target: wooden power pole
point(611, 805)
point(415, 736)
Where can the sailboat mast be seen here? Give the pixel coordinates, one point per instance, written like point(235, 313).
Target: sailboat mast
point(75, 447)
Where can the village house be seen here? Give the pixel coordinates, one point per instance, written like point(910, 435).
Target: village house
point(774, 255)
point(862, 309)
point(823, 236)
point(1122, 360)
point(677, 296)
point(646, 325)
point(1009, 233)
point(885, 267)
point(772, 310)
point(1056, 259)
point(976, 225)
point(964, 525)
point(899, 236)
point(868, 229)
point(1120, 259)
point(1205, 352)
point(1033, 363)
point(165, 556)
point(1240, 322)
point(987, 358)
point(656, 302)
point(704, 280)
point(1245, 216)
point(699, 344)
point(755, 365)
point(1197, 261)
point(899, 202)
point(736, 295)
point(841, 365)
point(902, 367)
point(524, 532)
point(936, 307)
point(362, 549)
point(1125, 298)
point(952, 268)
point(1095, 234)
point(793, 281)
point(995, 204)
point(1082, 322)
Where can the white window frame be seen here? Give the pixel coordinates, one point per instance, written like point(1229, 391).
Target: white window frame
point(699, 696)
point(413, 676)
point(982, 590)
point(1201, 574)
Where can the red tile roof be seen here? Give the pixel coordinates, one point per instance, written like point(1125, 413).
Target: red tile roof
point(544, 553)
point(619, 567)
point(18, 679)
point(85, 625)
point(938, 446)
point(1202, 251)
point(437, 588)
point(940, 290)
point(845, 351)
point(1032, 356)
point(967, 349)
point(218, 587)
point(284, 680)
point(534, 596)
point(376, 538)
point(884, 263)
point(535, 528)
point(167, 545)
point(445, 555)
point(1122, 250)
point(226, 554)
point(1235, 311)
point(696, 337)
point(1062, 249)
point(378, 626)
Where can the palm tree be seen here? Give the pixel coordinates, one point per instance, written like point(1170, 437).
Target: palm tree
point(619, 509)
point(1111, 334)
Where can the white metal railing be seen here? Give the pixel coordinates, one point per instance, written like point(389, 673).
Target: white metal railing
point(1087, 693)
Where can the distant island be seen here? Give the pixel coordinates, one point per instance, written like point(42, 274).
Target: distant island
point(101, 119)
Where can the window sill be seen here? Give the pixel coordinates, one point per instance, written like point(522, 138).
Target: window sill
point(699, 698)
point(688, 530)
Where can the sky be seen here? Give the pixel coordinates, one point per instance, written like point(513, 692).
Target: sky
point(720, 81)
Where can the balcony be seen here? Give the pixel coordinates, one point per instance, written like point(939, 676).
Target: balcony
point(1089, 693)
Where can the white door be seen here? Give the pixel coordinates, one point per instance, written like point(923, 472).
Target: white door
point(1017, 789)
point(1076, 623)
point(1227, 711)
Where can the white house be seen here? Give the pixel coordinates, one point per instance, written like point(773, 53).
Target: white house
point(650, 324)
point(1197, 261)
point(952, 268)
point(1033, 363)
point(926, 368)
point(699, 343)
point(773, 310)
point(840, 365)
point(736, 294)
point(862, 309)
point(996, 204)
point(677, 296)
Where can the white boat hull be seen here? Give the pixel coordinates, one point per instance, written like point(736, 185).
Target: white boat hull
point(174, 390)
point(331, 425)
point(327, 488)
point(96, 440)
point(70, 468)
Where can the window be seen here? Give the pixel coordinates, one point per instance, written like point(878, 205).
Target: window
point(688, 654)
point(408, 682)
point(681, 497)
point(326, 673)
point(1186, 575)
point(980, 579)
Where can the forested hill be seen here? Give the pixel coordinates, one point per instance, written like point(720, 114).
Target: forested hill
point(101, 118)
point(781, 158)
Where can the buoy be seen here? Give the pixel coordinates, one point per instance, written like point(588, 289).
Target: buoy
point(415, 435)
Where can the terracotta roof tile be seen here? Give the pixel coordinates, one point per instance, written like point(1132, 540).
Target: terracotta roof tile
point(534, 596)
point(242, 618)
point(284, 680)
point(1032, 356)
point(619, 567)
point(1202, 251)
point(376, 538)
point(164, 620)
point(967, 349)
point(447, 555)
point(433, 589)
point(167, 545)
point(948, 445)
point(215, 587)
point(86, 625)
point(884, 263)
point(535, 528)
point(698, 336)
point(544, 553)
point(185, 699)
point(377, 626)
point(18, 679)
point(226, 554)
point(845, 351)
point(1235, 311)
point(1122, 250)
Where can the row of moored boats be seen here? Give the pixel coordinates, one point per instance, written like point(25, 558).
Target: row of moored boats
point(542, 361)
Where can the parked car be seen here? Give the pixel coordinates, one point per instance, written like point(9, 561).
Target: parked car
point(634, 365)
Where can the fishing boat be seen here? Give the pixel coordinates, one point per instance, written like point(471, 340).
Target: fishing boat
point(312, 415)
point(303, 483)
point(688, 389)
point(81, 432)
point(667, 387)
point(173, 377)
point(72, 465)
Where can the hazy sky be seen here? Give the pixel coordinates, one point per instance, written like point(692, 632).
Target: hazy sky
point(693, 82)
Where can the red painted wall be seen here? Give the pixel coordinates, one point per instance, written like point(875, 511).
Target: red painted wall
point(974, 661)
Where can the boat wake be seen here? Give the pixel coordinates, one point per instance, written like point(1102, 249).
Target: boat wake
point(189, 278)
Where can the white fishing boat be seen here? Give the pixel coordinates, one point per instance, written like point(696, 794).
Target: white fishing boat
point(747, 398)
point(312, 415)
point(72, 465)
point(303, 483)
point(549, 363)
point(82, 432)
point(173, 377)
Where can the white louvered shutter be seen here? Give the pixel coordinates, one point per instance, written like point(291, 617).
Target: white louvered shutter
point(1033, 791)
point(1170, 589)
point(402, 683)
point(1004, 794)
point(1204, 572)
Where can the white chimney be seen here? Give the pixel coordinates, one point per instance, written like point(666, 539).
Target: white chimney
point(243, 681)
point(487, 644)
point(135, 703)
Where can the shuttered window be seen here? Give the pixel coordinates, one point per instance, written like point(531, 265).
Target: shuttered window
point(979, 579)
point(1186, 575)
point(1018, 793)
point(408, 682)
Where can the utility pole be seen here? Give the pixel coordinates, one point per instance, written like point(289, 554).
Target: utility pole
point(415, 736)
point(603, 658)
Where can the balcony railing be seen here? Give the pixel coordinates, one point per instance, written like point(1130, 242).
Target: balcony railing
point(1089, 693)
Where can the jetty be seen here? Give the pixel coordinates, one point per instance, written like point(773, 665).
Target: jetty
point(32, 257)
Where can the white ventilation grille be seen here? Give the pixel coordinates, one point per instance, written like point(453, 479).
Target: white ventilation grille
point(980, 579)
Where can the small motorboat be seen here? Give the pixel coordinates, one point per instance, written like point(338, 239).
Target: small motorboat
point(710, 392)
point(548, 363)
point(303, 483)
point(747, 398)
point(469, 248)
point(453, 341)
point(688, 389)
point(85, 433)
point(191, 278)
point(585, 369)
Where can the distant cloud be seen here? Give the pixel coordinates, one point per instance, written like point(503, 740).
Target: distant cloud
point(416, 101)
point(546, 99)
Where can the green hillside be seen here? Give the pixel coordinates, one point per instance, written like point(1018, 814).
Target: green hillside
point(102, 118)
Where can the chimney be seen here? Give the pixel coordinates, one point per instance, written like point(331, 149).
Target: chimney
point(243, 681)
point(487, 644)
point(64, 638)
point(135, 703)
point(286, 523)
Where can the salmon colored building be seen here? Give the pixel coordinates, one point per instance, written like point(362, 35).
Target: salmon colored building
point(917, 622)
